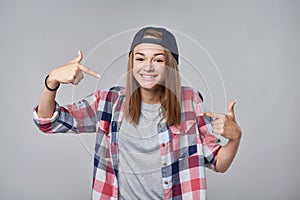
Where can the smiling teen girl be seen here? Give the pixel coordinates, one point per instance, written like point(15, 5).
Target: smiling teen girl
point(152, 141)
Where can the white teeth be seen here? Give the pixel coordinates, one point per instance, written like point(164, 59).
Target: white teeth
point(148, 76)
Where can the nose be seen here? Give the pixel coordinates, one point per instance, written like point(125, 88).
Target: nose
point(148, 66)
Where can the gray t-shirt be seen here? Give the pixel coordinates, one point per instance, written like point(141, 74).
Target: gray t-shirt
point(139, 171)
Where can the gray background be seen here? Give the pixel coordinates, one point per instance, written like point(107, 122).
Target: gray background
point(254, 43)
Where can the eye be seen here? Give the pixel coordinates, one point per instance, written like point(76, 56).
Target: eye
point(159, 60)
point(139, 59)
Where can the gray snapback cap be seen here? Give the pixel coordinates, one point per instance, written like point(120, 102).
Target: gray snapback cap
point(167, 40)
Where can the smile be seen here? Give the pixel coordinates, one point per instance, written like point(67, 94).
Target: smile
point(148, 76)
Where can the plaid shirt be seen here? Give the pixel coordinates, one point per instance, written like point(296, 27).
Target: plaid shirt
point(185, 150)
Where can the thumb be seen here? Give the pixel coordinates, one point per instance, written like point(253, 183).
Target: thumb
point(231, 108)
point(78, 58)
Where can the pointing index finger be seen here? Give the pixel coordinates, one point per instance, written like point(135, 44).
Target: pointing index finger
point(89, 71)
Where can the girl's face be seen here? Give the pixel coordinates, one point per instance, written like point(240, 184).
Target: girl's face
point(149, 62)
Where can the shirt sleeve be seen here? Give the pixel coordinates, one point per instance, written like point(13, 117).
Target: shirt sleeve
point(211, 144)
point(76, 118)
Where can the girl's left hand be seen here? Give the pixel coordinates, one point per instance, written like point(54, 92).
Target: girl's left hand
point(225, 124)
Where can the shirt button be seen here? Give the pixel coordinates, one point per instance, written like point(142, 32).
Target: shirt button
point(166, 182)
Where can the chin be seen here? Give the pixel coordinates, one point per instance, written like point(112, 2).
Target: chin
point(151, 86)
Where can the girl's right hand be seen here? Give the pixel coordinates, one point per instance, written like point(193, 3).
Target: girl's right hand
point(70, 73)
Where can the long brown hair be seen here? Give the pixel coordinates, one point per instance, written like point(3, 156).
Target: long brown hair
point(170, 97)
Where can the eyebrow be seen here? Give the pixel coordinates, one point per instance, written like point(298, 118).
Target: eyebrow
point(156, 54)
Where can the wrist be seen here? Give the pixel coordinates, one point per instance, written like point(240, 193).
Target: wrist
point(238, 137)
point(51, 84)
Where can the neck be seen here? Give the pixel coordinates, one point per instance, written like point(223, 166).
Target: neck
point(152, 96)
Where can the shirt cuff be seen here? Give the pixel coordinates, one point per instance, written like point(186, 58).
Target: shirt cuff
point(40, 120)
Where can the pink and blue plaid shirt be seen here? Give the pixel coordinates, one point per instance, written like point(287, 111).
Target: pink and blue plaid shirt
point(185, 150)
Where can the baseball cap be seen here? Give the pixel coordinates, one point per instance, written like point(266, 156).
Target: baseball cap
point(166, 39)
